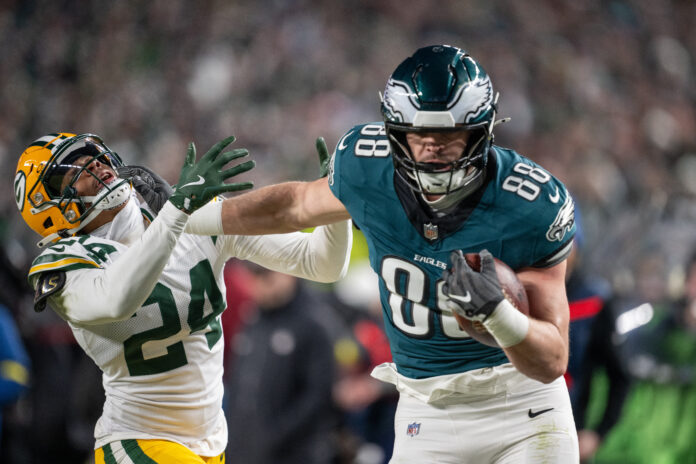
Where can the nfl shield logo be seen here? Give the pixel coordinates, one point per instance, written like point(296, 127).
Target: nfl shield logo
point(430, 231)
point(413, 429)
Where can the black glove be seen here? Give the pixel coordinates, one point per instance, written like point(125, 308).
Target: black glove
point(473, 295)
point(154, 190)
point(202, 181)
point(324, 157)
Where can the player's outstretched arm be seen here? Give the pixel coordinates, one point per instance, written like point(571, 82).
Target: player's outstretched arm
point(123, 286)
point(322, 256)
point(286, 207)
point(279, 208)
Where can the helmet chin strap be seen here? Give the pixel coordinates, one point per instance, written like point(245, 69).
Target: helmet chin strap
point(67, 232)
point(447, 201)
point(105, 199)
point(110, 198)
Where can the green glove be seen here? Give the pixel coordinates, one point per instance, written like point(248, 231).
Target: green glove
point(202, 181)
point(324, 157)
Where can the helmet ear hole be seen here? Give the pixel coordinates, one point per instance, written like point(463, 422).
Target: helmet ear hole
point(48, 223)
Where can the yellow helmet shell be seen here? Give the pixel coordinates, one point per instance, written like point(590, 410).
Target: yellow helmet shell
point(39, 210)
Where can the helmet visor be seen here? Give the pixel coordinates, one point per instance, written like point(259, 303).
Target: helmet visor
point(66, 168)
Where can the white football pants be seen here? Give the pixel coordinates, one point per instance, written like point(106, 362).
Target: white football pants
point(523, 421)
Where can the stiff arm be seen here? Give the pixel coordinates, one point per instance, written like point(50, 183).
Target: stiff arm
point(282, 208)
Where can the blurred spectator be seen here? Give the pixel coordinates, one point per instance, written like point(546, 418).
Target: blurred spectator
point(65, 396)
point(14, 362)
point(240, 302)
point(369, 405)
point(279, 406)
point(593, 349)
point(599, 92)
point(64, 401)
point(658, 424)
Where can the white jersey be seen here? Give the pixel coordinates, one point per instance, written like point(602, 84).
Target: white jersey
point(162, 358)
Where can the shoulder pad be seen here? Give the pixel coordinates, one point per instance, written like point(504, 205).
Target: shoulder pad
point(48, 284)
point(72, 253)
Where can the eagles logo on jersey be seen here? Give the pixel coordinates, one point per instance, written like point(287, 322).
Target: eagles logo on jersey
point(565, 219)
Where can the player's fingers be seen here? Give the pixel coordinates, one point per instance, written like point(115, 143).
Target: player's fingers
point(458, 260)
point(323, 152)
point(231, 156)
point(487, 261)
point(190, 154)
point(234, 187)
point(217, 148)
point(238, 169)
point(445, 289)
point(125, 172)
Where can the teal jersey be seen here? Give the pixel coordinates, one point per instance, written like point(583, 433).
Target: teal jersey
point(522, 215)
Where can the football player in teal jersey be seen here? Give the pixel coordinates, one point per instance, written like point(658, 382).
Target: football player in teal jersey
point(143, 295)
point(426, 185)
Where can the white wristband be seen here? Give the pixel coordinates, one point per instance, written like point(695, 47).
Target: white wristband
point(206, 220)
point(507, 325)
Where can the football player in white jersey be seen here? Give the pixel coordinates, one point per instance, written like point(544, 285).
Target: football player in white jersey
point(142, 295)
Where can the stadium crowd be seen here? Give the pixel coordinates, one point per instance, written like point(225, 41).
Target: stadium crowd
point(600, 93)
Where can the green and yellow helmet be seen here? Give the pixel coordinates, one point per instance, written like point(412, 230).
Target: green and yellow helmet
point(44, 180)
point(440, 89)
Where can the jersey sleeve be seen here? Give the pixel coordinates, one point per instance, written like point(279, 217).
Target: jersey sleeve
point(360, 163)
point(538, 209)
point(340, 165)
point(67, 255)
point(99, 288)
point(551, 219)
point(321, 255)
point(560, 231)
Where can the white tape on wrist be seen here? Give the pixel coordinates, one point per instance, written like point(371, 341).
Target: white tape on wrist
point(206, 220)
point(507, 325)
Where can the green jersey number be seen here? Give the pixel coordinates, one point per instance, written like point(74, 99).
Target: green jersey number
point(164, 338)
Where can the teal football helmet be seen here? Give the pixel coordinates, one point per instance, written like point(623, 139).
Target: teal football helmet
point(440, 89)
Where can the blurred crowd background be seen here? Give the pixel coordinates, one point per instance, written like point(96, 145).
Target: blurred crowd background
point(601, 93)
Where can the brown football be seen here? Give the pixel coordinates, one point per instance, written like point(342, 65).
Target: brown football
point(512, 289)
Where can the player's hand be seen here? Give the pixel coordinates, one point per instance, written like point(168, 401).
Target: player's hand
point(202, 181)
point(473, 295)
point(153, 188)
point(324, 157)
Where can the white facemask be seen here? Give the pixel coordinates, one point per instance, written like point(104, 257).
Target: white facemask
point(111, 197)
